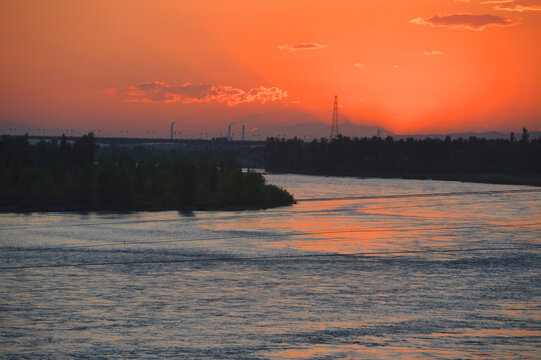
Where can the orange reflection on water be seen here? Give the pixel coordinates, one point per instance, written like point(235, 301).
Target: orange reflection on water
point(522, 309)
point(368, 242)
point(371, 226)
point(487, 333)
point(304, 353)
point(380, 348)
point(410, 213)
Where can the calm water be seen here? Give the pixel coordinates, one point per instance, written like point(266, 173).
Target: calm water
point(279, 283)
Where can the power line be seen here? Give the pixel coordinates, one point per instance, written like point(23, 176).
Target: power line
point(272, 257)
point(329, 232)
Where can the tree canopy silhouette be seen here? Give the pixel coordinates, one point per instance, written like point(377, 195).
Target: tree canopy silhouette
point(82, 177)
point(473, 159)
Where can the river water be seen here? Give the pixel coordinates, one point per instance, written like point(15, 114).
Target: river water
point(394, 270)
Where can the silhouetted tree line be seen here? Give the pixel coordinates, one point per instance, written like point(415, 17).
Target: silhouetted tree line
point(472, 159)
point(83, 177)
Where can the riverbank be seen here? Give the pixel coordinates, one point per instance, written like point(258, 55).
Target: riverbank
point(287, 200)
point(50, 177)
point(500, 179)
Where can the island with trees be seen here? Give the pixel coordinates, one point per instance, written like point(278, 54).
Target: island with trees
point(505, 161)
point(80, 176)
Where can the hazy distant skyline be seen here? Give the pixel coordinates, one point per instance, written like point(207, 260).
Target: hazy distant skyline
point(422, 66)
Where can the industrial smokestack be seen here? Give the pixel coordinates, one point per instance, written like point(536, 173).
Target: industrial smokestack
point(242, 132)
point(172, 124)
point(229, 136)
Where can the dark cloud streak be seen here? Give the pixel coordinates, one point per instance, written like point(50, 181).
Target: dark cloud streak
point(301, 46)
point(466, 21)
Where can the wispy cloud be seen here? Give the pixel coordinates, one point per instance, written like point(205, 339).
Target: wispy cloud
point(359, 65)
point(465, 21)
point(511, 5)
point(433, 53)
point(518, 8)
point(111, 91)
point(160, 92)
point(301, 46)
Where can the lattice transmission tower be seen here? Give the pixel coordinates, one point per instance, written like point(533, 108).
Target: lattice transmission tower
point(334, 125)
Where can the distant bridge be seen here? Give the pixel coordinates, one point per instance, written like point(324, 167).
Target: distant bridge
point(188, 144)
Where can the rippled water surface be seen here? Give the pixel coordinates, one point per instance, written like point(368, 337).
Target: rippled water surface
point(374, 276)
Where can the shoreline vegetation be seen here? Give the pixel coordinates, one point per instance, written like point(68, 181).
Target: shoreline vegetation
point(501, 161)
point(82, 177)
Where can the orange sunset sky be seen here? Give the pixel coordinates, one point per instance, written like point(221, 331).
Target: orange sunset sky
point(416, 66)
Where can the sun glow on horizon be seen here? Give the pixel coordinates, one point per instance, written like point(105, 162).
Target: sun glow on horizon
point(420, 66)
